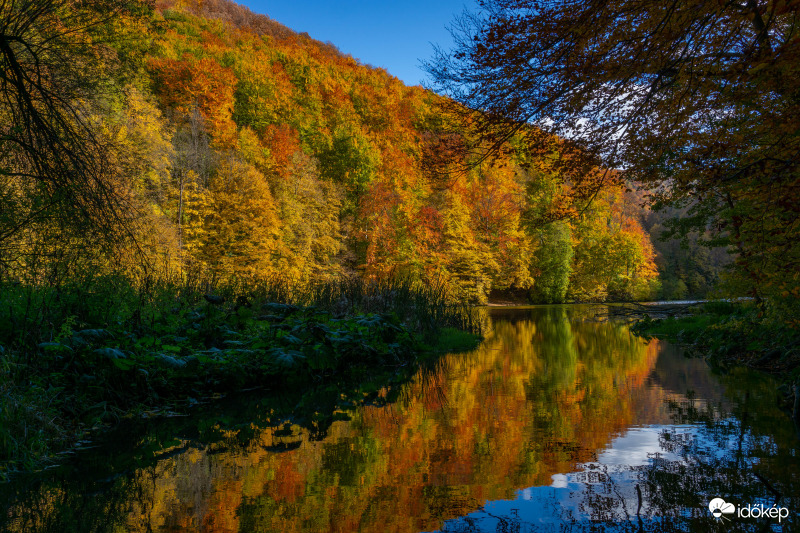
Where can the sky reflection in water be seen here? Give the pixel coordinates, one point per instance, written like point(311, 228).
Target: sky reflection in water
point(603, 496)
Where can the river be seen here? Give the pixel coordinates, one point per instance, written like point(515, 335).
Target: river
point(559, 421)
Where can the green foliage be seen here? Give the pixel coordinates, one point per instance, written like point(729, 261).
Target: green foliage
point(352, 162)
point(734, 333)
point(454, 340)
point(553, 260)
point(689, 266)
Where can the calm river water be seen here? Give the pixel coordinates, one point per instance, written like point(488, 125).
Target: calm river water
point(557, 422)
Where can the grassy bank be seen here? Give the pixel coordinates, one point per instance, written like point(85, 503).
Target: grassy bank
point(83, 356)
point(736, 333)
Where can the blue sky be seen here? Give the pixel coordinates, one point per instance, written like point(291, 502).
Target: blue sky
point(394, 35)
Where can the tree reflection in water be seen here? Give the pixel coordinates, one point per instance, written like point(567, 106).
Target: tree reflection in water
point(557, 422)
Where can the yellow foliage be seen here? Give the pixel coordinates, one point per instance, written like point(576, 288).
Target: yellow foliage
point(233, 225)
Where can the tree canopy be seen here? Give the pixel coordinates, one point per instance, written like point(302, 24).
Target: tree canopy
point(698, 100)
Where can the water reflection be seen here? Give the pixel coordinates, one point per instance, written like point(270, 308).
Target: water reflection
point(558, 422)
point(655, 478)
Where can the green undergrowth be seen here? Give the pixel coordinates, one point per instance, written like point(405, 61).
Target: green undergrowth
point(734, 333)
point(82, 357)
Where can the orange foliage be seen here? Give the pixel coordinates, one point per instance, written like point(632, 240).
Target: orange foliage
point(202, 83)
point(283, 142)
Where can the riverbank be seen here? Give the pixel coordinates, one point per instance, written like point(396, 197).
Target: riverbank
point(740, 333)
point(80, 359)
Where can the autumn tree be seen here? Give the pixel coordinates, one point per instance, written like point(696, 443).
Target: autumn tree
point(613, 258)
point(291, 159)
point(698, 100)
point(203, 84)
point(143, 159)
point(468, 262)
point(309, 212)
point(232, 224)
point(57, 64)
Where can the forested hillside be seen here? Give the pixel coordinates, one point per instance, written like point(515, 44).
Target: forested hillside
point(330, 167)
point(249, 151)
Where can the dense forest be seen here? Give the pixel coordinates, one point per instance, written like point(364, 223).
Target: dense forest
point(238, 148)
point(195, 199)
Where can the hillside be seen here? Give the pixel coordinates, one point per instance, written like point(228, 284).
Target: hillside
point(245, 150)
point(330, 167)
